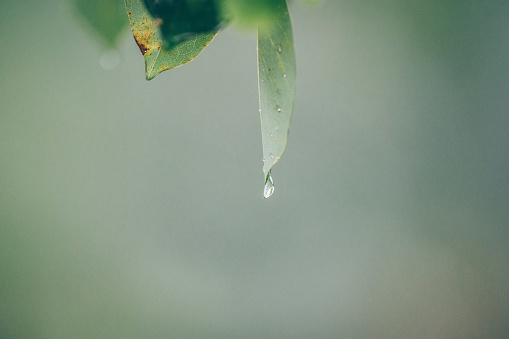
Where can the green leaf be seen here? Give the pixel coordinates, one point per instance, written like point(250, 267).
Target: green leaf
point(249, 13)
point(276, 84)
point(147, 33)
point(105, 17)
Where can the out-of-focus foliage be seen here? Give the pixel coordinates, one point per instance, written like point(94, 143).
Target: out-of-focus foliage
point(249, 13)
point(105, 17)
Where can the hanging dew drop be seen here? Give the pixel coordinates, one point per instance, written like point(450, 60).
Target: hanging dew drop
point(268, 190)
point(284, 75)
point(279, 49)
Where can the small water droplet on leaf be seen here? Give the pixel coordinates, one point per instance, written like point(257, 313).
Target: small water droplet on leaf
point(279, 49)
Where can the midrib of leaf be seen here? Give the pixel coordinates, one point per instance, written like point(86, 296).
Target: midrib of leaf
point(151, 76)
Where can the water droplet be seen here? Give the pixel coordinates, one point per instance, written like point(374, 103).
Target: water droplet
point(279, 49)
point(284, 75)
point(271, 155)
point(259, 110)
point(277, 127)
point(269, 186)
point(279, 109)
point(271, 134)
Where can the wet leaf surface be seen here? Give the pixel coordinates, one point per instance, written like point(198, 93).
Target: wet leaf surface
point(277, 83)
point(147, 33)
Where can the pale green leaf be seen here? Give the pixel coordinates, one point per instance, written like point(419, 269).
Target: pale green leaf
point(276, 83)
point(148, 36)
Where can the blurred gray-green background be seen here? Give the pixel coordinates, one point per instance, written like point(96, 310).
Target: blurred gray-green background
point(134, 209)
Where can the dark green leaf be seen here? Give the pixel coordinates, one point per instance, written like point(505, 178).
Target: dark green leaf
point(183, 19)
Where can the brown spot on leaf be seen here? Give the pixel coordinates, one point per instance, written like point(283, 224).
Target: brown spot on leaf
point(142, 47)
point(144, 36)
